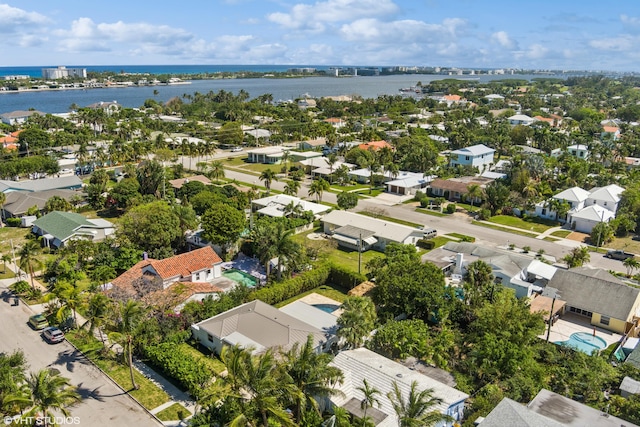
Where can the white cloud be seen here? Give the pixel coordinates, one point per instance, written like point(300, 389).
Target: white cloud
point(618, 44)
point(315, 17)
point(406, 31)
point(535, 51)
point(13, 19)
point(503, 39)
point(630, 20)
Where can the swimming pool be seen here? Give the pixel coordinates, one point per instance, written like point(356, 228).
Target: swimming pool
point(584, 342)
point(328, 308)
point(241, 277)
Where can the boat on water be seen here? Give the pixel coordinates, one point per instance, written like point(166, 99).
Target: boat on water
point(413, 89)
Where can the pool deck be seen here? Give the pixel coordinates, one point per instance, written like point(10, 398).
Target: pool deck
point(571, 323)
point(314, 298)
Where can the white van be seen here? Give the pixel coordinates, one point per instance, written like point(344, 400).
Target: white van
point(430, 233)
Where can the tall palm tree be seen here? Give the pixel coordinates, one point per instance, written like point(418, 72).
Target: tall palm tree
point(216, 170)
point(291, 187)
point(130, 314)
point(96, 314)
point(285, 161)
point(317, 188)
point(50, 391)
point(28, 259)
point(331, 161)
point(312, 377)
point(370, 398)
point(268, 176)
point(3, 200)
point(357, 320)
point(415, 410)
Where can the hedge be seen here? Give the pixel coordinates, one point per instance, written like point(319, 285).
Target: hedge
point(277, 292)
point(175, 362)
point(318, 276)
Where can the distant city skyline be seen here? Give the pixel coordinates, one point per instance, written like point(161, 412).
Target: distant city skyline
point(558, 35)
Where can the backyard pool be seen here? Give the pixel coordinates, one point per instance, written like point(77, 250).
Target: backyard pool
point(328, 308)
point(584, 342)
point(241, 277)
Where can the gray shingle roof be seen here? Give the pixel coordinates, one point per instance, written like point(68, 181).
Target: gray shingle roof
point(41, 184)
point(18, 202)
point(597, 291)
point(511, 413)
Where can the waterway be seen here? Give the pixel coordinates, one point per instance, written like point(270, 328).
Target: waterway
point(59, 101)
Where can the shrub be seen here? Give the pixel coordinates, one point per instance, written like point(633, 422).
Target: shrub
point(426, 244)
point(451, 208)
point(277, 292)
point(484, 214)
point(21, 287)
point(13, 222)
point(344, 277)
point(466, 238)
point(424, 202)
point(177, 363)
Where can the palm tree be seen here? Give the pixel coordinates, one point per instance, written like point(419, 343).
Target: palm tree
point(370, 397)
point(318, 187)
point(268, 176)
point(632, 264)
point(291, 188)
point(130, 314)
point(28, 259)
point(312, 377)
point(474, 191)
point(50, 391)
point(415, 410)
point(96, 314)
point(357, 320)
point(285, 161)
point(5, 259)
point(70, 298)
point(331, 161)
point(216, 170)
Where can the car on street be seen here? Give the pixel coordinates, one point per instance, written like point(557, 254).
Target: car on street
point(52, 335)
point(236, 149)
point(619, 255)
point(38, 322)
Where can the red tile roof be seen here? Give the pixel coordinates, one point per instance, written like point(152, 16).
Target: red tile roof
point(374, 145)
point(184, 264)
point(610, 129)
point(178, 293)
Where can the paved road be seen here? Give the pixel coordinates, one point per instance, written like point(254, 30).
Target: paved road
point(103, 403)
point(444, 225)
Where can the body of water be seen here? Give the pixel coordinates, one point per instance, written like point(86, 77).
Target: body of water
point(59, 101)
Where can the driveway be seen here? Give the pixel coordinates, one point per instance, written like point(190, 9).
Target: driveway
point(103, 403)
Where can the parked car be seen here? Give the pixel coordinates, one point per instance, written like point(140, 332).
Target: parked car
point(236, 149)
point(38, 322)
point(619, 255)
point(52, 335)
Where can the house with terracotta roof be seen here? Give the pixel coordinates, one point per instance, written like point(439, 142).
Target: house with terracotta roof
point(455, 188)
point(375, 145)
point(336, 122)
point(612, 132)
point(182, 277)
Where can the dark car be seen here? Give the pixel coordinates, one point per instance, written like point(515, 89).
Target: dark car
point(52, 335)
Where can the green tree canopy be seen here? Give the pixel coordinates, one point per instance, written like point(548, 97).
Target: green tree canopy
point(223, 224)
point(153, 227)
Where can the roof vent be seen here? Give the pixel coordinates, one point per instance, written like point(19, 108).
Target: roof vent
point(399, 375)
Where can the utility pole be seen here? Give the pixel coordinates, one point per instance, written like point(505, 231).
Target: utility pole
point(553, 293)
point(13, 252)
point(360, 253)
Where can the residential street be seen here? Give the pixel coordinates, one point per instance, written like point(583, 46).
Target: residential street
point(103, 403)
point(444, 225)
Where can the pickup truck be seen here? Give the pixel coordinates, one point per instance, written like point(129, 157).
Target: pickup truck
point(619, 255)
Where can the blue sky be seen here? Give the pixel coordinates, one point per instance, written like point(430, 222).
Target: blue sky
point(560, 34)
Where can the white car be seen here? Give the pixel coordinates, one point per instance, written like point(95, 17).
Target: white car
point(236, 149)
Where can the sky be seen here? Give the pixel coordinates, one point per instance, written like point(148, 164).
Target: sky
point(544, 34)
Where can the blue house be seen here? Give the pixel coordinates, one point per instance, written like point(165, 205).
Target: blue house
point(479, 156)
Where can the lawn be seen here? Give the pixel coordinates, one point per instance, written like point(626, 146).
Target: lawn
point(462, 237)
point(561, 233)
point(365, 193)
point(173, 413)
point(149, 395)
point(349, 259)
point(537, 225)
point(340, 188)
point(441, 241)
point(329, 291)
point(508, 230)
point(9, 235)
point(626, 244)
point(430, 212)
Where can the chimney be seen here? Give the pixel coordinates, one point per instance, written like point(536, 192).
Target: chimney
point(459, 261)
point(145, 256)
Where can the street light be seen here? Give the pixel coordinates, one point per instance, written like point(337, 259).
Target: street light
point(551, 293)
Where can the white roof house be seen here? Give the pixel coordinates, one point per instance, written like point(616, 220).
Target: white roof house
point(580, 151)
point(573, 195)
point(521, 119)
point(357, 231)
point(380, 372)
point(608, 197)
point(408, 183)
point(477, 155)
point(269, 155)
point(275, 205)
point(585, 219)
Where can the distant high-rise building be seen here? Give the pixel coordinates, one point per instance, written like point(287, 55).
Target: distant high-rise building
point(63, 72)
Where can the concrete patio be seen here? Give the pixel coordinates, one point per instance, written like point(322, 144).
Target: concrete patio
point(570, 323)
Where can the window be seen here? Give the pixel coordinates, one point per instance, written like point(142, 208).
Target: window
point(544, 211)
point(467, 158)
point(604, 320)
point(210, 337)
